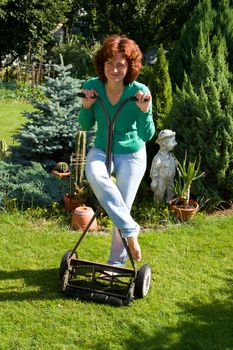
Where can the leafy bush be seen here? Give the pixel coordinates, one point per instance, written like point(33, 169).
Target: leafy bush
point(13, 90)
point(29, 186)
point(78, 54)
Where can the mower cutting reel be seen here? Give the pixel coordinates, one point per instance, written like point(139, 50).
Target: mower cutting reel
point(87, 280)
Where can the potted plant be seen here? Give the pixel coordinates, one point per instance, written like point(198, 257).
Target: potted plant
point(61, 170)
point(188, 171)
point(78, 185)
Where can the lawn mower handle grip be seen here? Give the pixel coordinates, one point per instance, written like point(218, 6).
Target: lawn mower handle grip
point(132, 98)
point(82, 95)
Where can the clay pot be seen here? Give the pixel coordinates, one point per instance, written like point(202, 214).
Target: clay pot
point(81, 218)
point(71, 202)
point(182, 213)
point(65, 175)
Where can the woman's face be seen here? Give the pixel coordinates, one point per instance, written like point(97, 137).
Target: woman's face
point(115, 68)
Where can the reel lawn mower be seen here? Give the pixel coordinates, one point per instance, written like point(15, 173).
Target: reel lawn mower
point(103, 283)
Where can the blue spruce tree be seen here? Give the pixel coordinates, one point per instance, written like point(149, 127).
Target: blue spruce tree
point(49, 134)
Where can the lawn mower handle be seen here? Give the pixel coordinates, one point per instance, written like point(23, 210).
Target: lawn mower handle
point(132, 98)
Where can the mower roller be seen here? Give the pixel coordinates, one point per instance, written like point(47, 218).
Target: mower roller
point(103, 283)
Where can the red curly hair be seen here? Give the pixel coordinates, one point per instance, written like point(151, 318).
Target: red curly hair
point(119, 44)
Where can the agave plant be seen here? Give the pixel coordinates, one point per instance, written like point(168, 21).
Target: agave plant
point(188, 172)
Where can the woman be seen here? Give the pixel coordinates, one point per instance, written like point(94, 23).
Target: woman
point(118, 64)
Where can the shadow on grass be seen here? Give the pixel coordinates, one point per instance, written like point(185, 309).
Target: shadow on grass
point(45, 283)
point(201, 326)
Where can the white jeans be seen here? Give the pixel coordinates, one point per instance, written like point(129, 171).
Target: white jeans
point(117, 198)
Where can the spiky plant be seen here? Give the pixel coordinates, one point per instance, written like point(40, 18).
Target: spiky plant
point(77, 166)
point(188, 172)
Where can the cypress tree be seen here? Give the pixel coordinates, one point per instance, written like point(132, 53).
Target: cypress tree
point(161, 89)
point(202, 118)
point(216, 20)
point(181, 56)
point(49, 134)
point(223, 26)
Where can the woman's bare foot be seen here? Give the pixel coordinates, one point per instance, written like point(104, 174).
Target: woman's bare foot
point(134, 248)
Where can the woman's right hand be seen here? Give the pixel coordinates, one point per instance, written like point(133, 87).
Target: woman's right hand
point(88, 101)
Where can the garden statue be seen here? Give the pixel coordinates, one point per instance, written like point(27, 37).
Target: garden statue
point(163, 167)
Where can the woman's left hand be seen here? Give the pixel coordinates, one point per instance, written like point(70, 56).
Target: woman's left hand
point(143, 100)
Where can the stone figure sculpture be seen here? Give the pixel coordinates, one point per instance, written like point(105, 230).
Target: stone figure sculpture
point(163, 168)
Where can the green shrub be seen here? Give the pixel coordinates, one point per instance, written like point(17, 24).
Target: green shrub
point(78, 54)
point(29, 186)
point(18, 91)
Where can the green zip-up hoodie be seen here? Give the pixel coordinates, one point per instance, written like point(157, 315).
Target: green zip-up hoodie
point(132, 128)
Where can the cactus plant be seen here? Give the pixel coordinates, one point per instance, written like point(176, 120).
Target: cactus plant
point(3, 149)
point(78, 159)
point(79, 188)
point(61, 170)
point(62, 167)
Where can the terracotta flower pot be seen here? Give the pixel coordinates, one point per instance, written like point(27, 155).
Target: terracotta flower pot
point(70, 202)
point(65, 175)
point(182, 213)
point(81, 218)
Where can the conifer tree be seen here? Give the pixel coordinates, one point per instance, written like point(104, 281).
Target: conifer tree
point(216, 20)
point(181, 56)
point(223, 26)
point(202, 118)
point(49, 134)
point(161, 89)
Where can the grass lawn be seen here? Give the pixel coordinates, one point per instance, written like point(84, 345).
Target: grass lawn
point(189, 306)
point(11, 118)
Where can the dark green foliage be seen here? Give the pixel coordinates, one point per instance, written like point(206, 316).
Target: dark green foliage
point(77, 53)
point(146, 21)
point(29, 186)
point(224, 26)
point(25, 26)
point(145, 73)
point(48, 136)
point(181, 56)
point(171, 15)
point(215, 19)
point(161, 89)
point(107, 17)
point(202, 118)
